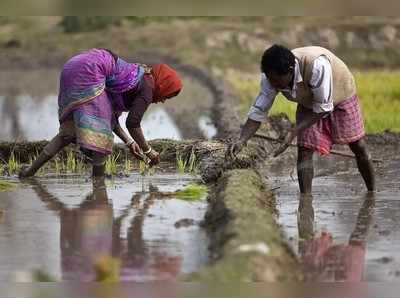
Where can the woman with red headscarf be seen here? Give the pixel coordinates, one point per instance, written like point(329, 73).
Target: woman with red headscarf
point(96, 86)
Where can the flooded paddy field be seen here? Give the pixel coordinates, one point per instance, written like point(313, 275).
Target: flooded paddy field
point(63, 226)
point(342, 232)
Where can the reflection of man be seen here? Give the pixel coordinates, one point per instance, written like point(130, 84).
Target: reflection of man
point(329, 262)
point(90, 234)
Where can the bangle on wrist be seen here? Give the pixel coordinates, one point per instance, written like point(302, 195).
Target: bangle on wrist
point(130, 143)
point(148, 151)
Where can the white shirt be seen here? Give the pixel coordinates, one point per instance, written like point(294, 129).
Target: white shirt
point(321, 87)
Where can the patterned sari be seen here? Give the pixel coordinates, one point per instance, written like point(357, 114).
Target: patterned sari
point(91, 87)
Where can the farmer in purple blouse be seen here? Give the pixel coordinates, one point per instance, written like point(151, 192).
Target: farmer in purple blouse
point(96, 86)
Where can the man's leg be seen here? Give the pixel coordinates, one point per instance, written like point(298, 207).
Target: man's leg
point(51, 149)
point(364, 163)
point(305, 169)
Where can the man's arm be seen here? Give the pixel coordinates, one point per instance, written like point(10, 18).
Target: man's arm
point(249, 129)
point(257, 114)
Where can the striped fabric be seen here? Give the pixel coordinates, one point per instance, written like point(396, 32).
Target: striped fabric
point(343, 126)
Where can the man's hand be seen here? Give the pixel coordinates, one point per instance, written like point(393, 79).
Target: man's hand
point(286, 142)
point(154, 157)
point(234, 148)
point(135, 150)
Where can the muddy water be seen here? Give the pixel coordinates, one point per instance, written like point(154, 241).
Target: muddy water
point(63, 226)
point(342, 233)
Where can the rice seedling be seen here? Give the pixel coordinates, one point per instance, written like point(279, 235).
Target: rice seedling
point(111, 164)
point(191, 192)
point(1, 168)
point(181, 163)
point(58, 165)
point(80, 165)
point(71, 162)
point(192, 166)
point(127, 166)
point(13, 164)
point(145, 169)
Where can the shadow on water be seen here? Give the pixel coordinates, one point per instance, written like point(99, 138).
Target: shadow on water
point(135, 228)
point(342, 234)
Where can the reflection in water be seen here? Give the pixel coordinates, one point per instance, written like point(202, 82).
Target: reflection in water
point(23, 117)
point(9, 117)
point(92, 232)
point(325, 260)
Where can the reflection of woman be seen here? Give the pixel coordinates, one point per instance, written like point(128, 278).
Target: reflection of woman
point(96, 86)
point(334, 262)
point(90, 233)
point(86, 233)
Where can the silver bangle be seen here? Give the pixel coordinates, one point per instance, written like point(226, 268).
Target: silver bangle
point(130, 143)
point(148, 151)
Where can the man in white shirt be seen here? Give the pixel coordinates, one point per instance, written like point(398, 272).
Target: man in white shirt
point(328, 110)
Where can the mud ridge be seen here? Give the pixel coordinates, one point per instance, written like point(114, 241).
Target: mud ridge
point(246, 244)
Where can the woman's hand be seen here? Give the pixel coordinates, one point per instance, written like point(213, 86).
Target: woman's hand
point(154, 157)
point(135, 150)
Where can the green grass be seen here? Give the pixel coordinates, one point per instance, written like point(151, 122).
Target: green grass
point(378, 91)
point(192, 192)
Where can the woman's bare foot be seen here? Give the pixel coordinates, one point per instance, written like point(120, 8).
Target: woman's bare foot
point(25, 172)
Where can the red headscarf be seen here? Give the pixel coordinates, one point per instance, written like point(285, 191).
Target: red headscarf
point(166, 81)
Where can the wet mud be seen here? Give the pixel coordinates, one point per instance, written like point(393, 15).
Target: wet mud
point(245, 241)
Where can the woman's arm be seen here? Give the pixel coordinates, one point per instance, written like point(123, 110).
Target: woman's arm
point(138, 136)
point(121, 133)
point(132, 146)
